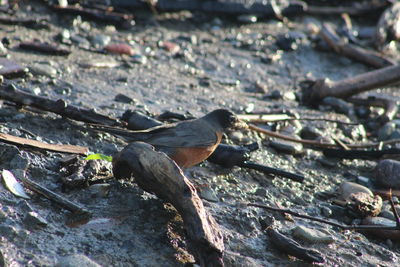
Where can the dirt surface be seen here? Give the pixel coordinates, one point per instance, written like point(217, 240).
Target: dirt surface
point(221, 63)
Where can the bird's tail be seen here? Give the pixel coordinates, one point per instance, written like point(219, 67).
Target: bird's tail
point(127, 135)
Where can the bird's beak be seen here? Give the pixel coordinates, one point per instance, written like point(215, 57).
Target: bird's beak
point(239, 124)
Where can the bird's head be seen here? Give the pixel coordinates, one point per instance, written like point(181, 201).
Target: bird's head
point(224, 118)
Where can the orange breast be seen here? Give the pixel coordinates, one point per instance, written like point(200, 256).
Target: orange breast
point(189, 156)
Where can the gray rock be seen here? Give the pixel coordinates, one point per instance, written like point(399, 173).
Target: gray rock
point(262, 192)
point(99, 190)
point(312, 235)
point(327, 212)
point(19, 162)
point(8, 231)
point(7, 153)
point(355, 132)
point(310, 132)
point(386, 131)
point(287, 147)
point(348, 188)
point(100, 40)
point(33, 220)
point(338, 105)
point(139, 59)
point(80, 41)
point(289, 96)
point(386, 173)
point(43, 69)
point(76, 260)
point(208, 194)
point(395, 134)
point(328, 162)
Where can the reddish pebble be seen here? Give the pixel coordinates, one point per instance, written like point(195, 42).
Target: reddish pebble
point(171, 47)
point(122, 49)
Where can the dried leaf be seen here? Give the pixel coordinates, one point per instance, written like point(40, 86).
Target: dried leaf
point(13, 185)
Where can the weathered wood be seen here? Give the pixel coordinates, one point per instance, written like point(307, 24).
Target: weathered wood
point(291, 247)
point(11, 93)
point(37, 144)
point(62, 201)
point(352, 85)
point(155, 172)
point(357, 53)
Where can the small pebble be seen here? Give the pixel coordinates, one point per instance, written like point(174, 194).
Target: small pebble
point(347, 189)
point(43, 69)
point(339, 105)
point(33, 220)
point(312, 235)
point(139, 59)
point(208, 194)
point(100, 40)
point(310, 133)
point(287, 147)
point(124, 99)
point(327, 212)
point(386, 131)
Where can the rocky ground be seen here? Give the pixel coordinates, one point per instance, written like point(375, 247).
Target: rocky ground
point(210, 62)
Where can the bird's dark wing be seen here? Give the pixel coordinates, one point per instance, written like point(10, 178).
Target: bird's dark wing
point(195, 133)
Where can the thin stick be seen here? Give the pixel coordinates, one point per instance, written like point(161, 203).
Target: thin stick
point(262, 118)
point(37, 144)
point(312, 218)
point(315, 143)
point(62, 201)
point(396, 215)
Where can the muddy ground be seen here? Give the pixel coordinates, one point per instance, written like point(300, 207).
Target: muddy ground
point(221, 63)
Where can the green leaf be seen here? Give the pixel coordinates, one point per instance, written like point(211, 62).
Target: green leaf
point(99, 156)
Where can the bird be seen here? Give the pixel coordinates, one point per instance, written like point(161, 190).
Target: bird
point(187, 142)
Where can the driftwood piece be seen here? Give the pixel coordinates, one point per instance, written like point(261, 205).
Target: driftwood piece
point(27, 22)
point(37, 144)
point(341, 46)
point(351, 86)
point(45, 48)
point(291, 247)
point(155, 172)
point(11, 93)
point(359, 9)
point(121, 19)
point(62, 201)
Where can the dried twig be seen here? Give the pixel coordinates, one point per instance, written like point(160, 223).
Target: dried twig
point(62, 201)
point(313, 218)
point(263, 118)
point(352, 51)
point(396, 215)
point(11, 93)
point(37, 144)
point(318, 144)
